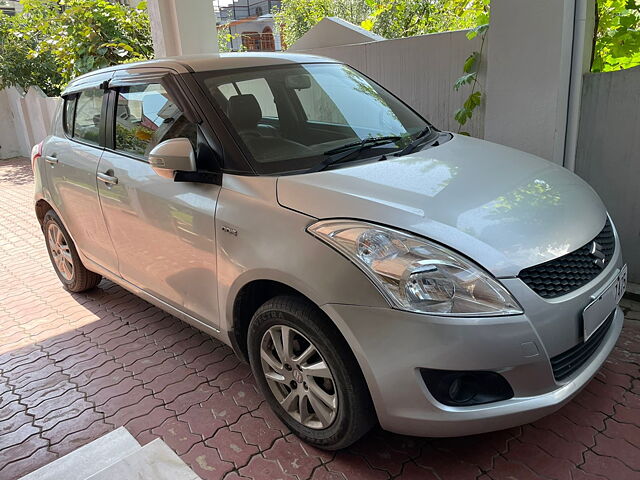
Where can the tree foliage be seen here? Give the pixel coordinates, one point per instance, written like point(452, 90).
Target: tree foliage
point(20, 37)
point(470, 77)
point(617, 38)
point(295, 17)
point(50, 42)
point(405, 18)
point(226, 38)
point(390, 19)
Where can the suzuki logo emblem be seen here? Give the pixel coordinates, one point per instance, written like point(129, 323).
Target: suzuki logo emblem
point(596, 251)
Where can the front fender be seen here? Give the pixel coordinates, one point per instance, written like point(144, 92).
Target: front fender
point(257, 239)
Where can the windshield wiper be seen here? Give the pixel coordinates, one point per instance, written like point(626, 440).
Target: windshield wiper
point(422, 136)
point(345, 152)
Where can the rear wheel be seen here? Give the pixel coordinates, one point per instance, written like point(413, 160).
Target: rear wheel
point(64, 256)
point(307, 373)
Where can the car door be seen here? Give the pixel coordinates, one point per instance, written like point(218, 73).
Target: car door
point(72, 162)
point(163, 231)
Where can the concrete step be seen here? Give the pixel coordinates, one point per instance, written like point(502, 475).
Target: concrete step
point(154, 461)
point(89, 459)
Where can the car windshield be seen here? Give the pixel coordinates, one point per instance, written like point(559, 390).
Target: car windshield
point(292, 117)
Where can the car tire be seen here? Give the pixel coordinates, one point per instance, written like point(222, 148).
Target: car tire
point(346, 389)
point(64, 256)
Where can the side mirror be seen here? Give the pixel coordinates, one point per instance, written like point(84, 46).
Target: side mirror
point(170, 156)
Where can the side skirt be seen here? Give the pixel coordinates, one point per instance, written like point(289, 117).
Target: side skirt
point(161, 304)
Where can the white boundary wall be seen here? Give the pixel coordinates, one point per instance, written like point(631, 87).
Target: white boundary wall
point(25, 119)
point(420, 70)
point(607, 152)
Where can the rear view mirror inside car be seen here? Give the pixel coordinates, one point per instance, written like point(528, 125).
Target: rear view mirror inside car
point(298, 82)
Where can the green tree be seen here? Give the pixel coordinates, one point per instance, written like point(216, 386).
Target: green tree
point(20, 36)
point(96, 33)
point(295, 17)
point(225, 39)
point(50, 42)
point(405, 18)
point(390, 19)
point(617, 38)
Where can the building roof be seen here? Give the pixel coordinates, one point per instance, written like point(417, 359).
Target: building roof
point(331, 32)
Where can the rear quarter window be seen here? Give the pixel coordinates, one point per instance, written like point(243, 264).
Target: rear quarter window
point(68, 112)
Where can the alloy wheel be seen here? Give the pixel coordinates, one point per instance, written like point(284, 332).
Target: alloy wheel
point(299, 377)
point(60, 251)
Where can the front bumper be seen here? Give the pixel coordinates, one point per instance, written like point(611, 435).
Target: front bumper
point(392, 346)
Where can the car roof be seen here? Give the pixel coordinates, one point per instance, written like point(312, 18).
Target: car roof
point(208, 62)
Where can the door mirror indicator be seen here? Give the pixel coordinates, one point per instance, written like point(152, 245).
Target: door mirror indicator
point(171, 156)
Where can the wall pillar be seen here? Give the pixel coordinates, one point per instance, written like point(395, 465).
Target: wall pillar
point(532, 68)
point(179, 27)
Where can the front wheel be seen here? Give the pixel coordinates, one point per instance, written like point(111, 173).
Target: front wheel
point(308, 374)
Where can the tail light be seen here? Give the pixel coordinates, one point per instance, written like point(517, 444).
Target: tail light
point(36, 153)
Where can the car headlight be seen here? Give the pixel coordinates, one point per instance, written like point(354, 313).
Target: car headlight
point(416, 274)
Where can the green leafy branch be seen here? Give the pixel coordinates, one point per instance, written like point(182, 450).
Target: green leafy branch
point(470, 77)
point(51, 41)
point(616, 43)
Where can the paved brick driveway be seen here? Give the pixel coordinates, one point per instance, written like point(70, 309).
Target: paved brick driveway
point(75, 366)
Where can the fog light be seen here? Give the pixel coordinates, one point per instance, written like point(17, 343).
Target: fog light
point(462, 389)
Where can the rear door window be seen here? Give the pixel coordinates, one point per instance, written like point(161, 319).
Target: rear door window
point(88, 115)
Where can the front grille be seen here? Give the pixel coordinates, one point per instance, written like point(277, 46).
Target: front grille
point(568, 362)
point(571, 271)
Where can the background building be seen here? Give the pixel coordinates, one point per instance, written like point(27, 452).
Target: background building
point(10, 7)
point(250, 24)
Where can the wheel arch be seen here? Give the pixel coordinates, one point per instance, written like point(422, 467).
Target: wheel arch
point(42, 207)
point(251, 296)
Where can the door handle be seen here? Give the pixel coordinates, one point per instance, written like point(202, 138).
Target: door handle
point(51, 159)
point(107, 179)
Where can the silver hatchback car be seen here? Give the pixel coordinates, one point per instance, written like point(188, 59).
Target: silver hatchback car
point(370, 267)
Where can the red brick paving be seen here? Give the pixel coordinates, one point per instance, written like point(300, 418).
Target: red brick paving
point(75, 366)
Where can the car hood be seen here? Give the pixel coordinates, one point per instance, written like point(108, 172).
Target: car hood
point(501, 207)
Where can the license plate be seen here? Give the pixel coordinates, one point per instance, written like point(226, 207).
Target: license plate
point(603, 304)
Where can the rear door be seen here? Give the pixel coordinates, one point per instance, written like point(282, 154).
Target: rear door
point(72, 161)
point(163, 231)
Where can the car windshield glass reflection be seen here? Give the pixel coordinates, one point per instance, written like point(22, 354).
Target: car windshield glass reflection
point(289, 117)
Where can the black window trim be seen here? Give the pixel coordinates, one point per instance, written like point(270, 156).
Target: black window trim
point(214, 126)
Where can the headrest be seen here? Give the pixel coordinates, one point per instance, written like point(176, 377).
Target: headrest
point(244, 112)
